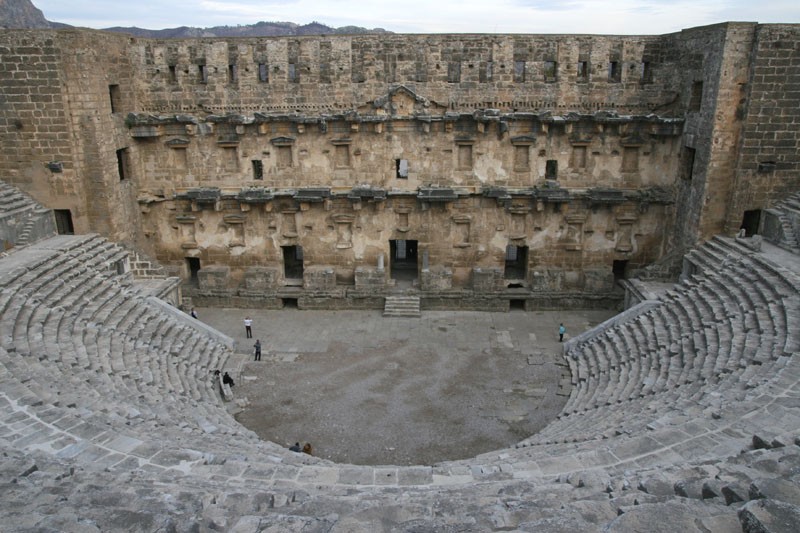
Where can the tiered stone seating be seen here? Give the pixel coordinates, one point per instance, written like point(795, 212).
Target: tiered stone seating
point(21, 216)
point(726, 326)
point(109, 403)
point(98, 314)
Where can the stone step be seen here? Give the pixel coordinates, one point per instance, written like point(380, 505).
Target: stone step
point(402, 306)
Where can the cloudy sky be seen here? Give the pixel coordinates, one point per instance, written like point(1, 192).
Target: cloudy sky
point(428, 16)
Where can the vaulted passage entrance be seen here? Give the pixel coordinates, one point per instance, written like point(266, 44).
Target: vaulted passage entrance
point(516, 262)
point(292, 263)
point(403, 259)
point(751, 222)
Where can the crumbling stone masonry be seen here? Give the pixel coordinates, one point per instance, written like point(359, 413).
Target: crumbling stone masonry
point(329, 171)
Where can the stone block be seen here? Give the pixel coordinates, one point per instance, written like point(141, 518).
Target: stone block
point(436, 279)
point(769, 516)
point(487, 279)
point(546, 280)
point(370, 278)
point(213, 278)
point(598, 280)
point(775, 489)
point(258, 279)
point(319, 278)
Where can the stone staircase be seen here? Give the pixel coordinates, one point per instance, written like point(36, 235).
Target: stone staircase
point(22, 219)
point(789, 217)
point(407, 306)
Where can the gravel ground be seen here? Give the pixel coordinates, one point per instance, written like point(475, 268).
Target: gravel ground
point(364, 389)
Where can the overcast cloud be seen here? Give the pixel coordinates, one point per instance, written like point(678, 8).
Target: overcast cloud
point(628, 17)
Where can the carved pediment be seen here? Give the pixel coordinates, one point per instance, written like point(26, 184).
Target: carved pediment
point(404, 102)
point(282, 141)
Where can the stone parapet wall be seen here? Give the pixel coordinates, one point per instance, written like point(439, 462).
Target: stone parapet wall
point(315, 75)
point(143, 267)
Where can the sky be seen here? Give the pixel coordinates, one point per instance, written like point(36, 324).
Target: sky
point(627, 17)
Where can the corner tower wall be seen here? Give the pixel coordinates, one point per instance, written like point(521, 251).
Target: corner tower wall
point(59, 135)
point(768, 157)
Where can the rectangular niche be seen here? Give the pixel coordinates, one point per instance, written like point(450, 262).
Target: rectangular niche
point(518, 223)
point(236, 224)
point(283, 151)
point(464, 154)
point(341, 154)
point(178, 152)
point(403, 213)
point(522, 152)
point(230, 158)
point(289, 224)
point(461, 227)
point(344, 231)
point(186, 230)
point(579, 156)
point(630, 158)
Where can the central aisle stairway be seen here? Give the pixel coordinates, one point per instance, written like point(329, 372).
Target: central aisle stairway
point(402, 306)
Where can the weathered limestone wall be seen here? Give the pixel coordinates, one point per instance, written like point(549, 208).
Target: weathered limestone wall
point(461, 72)
point(714, 65)
point(463, 152)
point(59, 135)
point(593, 155)
point(34, 124)
point(572, 247)
point(768, 165)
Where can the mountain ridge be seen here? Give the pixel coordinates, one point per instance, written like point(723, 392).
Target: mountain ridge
point(23, 14)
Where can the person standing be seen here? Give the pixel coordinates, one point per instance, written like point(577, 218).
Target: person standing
point(257, 346)
point(561, 331)
point(193, 313)
point(248, 327)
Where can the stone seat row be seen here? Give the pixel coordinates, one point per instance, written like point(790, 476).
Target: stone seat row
point(742, 375)
point(11, 200)
point(730, 406)
point(100, 400)
point(711, 496)
point(115, 356)
point(103, 424)
point(175, 364)
point(724, 325)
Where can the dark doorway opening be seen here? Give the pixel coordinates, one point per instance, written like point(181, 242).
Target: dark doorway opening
point(289, 303)
point(122, 163)
point(114, 95)
point(516, 265)
point(292, 262)
point(551, 169)
point(403, 258)
point(751, 222)
point(516, 305)
point(193, 266)
point(687, 162)
point(64, 222)
point(618, 268)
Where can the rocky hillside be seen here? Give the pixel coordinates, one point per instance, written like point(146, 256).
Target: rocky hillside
point(259, 29)
point(15, 14)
